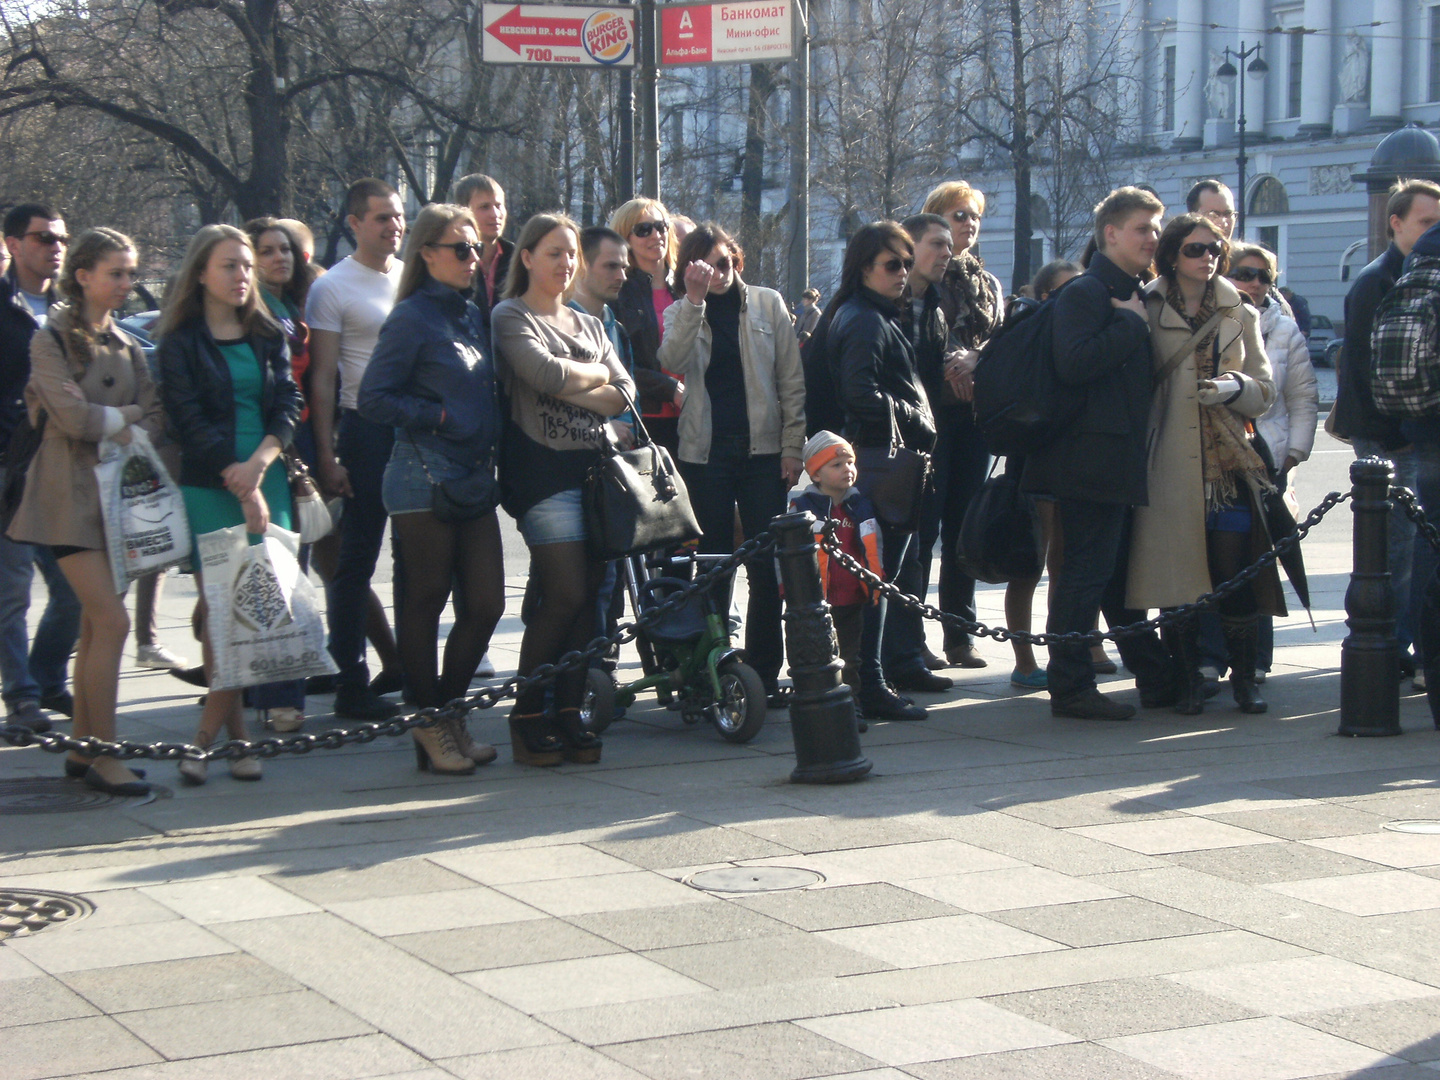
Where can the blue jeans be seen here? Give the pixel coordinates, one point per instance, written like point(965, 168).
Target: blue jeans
point(31, 670)
point(1403, 550)
point(958, 466)
point(1091, 580)
point(733, 479)
point(364, 449)
point(894, 546)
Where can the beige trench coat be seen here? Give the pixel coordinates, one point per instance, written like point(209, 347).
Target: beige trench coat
point(1168, 563)
point(61, 504)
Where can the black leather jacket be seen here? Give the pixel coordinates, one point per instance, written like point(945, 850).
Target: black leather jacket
point(635, 308)
point(874, 368)
point(199, 399)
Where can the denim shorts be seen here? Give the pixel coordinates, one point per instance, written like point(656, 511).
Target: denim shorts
point(406, 488)
point(560, 519)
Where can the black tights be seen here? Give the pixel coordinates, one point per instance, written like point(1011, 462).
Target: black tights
point(433, 556)
point(562, 621)
point(1229, 553)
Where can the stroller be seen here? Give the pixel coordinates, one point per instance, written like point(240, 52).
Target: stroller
point(686, 656)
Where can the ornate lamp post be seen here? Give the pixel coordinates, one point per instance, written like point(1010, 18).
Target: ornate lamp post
point(1229, 73)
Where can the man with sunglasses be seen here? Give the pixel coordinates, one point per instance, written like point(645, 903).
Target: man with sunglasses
point(33, 677)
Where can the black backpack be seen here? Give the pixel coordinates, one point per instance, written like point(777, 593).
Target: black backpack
point(1020, 406)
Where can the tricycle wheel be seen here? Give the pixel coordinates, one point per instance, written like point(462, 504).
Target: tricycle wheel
point(740, 712)
point(597, 708)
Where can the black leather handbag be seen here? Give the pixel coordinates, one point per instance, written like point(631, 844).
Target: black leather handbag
point(465, 498)
point(893, 479)
point(635, 500)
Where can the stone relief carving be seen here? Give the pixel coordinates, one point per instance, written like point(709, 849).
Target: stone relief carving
point(1331, 179)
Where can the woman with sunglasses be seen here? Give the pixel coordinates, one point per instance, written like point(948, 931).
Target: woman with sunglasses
point(431, 378)
point(742, 428)
point(881, 394)
point(1288, 428)
point(973, 303)
point(651, 235)
point(1201, 526)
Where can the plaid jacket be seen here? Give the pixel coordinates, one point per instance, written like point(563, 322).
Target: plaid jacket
point(1405, 344)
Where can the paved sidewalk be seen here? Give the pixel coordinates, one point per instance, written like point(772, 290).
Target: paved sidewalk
point(1007, 896)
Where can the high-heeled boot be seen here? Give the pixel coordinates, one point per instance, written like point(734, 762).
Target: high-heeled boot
point(1241, 640)
point(478, 752)
point(437, 752)
point(582, 746)
point(1183, 643)
point(531, 741)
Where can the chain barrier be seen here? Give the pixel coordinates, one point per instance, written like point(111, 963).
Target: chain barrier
point(1410, 504)
point(1170, 617)
point(485, 698)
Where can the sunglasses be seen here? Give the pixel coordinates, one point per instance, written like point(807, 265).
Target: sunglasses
point(723, 264)
point(1250, 273)
point(49, 239)
point(963, 216)
point(1193, 251)
point(463, 249)
point(645, 228)
point(893, 266)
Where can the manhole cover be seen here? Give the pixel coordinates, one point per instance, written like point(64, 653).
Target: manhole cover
point(1420, 826)
point(740, 879)
point(50, 795)
point(27, 911)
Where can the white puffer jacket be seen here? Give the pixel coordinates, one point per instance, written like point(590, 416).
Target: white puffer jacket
point(1289, 426)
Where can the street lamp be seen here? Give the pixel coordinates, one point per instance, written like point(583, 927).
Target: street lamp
point(1228, 73)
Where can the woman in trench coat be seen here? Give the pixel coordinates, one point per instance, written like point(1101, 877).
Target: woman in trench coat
point(1202, 525)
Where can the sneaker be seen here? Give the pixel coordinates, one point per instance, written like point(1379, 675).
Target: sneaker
point(158, 656)
point(921, 679)
point(882, 704)
point(62, 701)
point(27, 714)
point(486, 670)
point(1090, 704)
point(362, 703)
point(282, 718)
point(1030, 680)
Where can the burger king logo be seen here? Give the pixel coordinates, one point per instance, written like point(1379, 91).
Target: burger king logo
point(606, 37)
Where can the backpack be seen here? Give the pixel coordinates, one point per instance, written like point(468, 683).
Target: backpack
point(24, 442)
point(1405, 345)
point(1020, 406)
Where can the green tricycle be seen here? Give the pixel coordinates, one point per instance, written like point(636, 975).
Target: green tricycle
point(686, 656)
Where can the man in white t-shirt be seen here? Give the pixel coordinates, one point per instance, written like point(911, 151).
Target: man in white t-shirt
point(345, 311)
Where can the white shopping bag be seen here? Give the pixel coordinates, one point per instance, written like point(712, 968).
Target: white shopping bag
point(142, 510)
point(264, 618)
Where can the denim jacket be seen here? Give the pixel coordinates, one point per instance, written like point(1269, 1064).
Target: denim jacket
point(432, 376)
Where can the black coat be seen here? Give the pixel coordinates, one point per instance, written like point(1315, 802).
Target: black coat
point(199, 398)
point(1102, 353)
point(1355, 413)
point(17, 326)
point(873, 364)
point(635, 308)
point(929, 339)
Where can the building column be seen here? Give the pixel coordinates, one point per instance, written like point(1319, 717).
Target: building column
point(1190, 74)
point(1252, 33)
point(1317, 74)
point(1387, 65)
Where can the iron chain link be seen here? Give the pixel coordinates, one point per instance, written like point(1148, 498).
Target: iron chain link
point(1170, 617)
point(1410, 504)
point(485, 698)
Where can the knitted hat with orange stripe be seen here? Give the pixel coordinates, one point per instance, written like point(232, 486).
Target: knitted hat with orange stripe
point(821, 449)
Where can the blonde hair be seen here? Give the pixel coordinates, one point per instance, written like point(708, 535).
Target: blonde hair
point(185, 299)
point(517, 281)
point(429, 226)
point(630, 214)
point(950, 195)
point(1264, 254)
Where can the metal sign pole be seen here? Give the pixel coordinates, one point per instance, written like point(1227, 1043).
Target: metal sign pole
point(649, 104)
point(798, 261)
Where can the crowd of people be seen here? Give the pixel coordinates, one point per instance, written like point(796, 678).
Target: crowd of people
point(441, 373)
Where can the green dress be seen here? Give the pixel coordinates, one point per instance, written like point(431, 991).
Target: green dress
point(215, 508)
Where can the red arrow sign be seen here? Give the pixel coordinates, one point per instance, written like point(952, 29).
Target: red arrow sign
point(513, 30)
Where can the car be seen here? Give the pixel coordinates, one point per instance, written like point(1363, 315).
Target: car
point(1332, 352)
point(141, 327)
point(1322, 333)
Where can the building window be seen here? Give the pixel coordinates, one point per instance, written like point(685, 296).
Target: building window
point(1434, 54)
point(1169, 89)
point(1269, 197)
point(1297, 55)
point(1270, 237)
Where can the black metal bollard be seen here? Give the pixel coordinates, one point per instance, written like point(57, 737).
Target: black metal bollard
point(1370, 653)
point(822, 711)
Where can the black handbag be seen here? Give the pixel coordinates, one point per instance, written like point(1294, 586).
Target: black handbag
point(635, 500)
point(1000, 538)
point(893, 479)
point(465, 498)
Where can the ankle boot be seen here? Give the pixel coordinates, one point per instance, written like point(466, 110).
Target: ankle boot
point(531, 742)
point(582, 747)
point(435, 750)
point(1183, 643)
point(1240, 643)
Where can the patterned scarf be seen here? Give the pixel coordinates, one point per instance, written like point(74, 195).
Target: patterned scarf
point(1225, 453)
point(975, 315)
